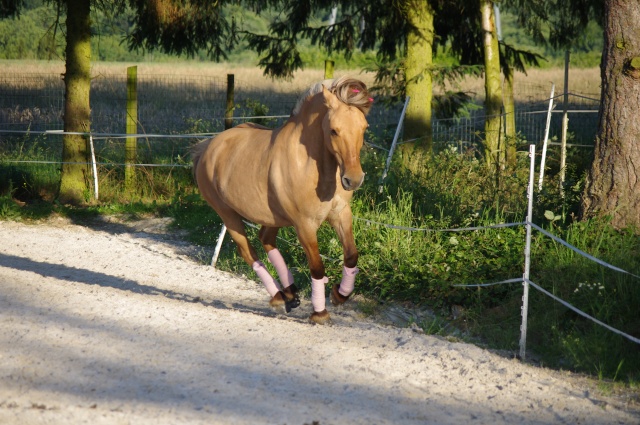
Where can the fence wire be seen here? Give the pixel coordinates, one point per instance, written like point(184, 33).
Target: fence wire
point(170, 104)
point(172, 108)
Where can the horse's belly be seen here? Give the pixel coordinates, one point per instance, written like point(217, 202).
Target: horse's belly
point(249, 195)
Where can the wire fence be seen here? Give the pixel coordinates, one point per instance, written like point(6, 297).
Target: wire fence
point(173, 105)
point(525, 279)
point(176, 111)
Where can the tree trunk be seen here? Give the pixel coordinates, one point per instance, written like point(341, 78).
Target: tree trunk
point(510, 117)
point(494, 149)
point(419, 58)
point(77, 110)
point(613, 184)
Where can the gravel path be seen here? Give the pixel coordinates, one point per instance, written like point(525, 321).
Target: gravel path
point(121, 326)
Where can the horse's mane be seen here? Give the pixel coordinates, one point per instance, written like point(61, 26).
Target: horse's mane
point(349, 90)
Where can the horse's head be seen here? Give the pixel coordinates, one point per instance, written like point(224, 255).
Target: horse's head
point(344, 127)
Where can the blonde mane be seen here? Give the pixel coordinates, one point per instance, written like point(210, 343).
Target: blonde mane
point(349, 90)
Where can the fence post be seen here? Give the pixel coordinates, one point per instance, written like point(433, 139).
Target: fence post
point(328, 69)
point(228, 123)
point(546, 137)
point(394, 143)
point(565, 122)
point(527, 256)
point(130, 146)
point(94, 169)
point(216, 252)
point(228, 114)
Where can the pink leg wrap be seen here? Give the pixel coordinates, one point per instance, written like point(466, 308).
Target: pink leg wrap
point(268, 281)
point(317, 294)
point(275, 258)
point(348, 280)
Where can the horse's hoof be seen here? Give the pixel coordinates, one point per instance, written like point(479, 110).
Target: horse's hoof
point(336, 297)
point(278, 303)
point(320, 318)
point(291, 297)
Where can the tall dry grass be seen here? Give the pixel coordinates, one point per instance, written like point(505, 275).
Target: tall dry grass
point(251, 75)
point(583, 81)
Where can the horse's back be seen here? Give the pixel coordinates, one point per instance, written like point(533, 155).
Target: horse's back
point(253, 125)
point(232, 169)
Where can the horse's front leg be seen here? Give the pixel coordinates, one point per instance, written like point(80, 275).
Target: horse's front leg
point(309, 241)
point(342, 223)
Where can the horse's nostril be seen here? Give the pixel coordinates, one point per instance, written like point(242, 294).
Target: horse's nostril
point(346, 183)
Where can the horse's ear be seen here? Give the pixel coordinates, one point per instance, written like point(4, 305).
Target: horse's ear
point(330, 99)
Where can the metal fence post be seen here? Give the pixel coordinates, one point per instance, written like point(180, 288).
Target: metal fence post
point(394, 143)
point(527, 256)
point(94, 169)
point(565, 123)
point(546, 138)
point(216, 252)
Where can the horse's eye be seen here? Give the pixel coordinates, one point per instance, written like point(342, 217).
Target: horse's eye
point(334, 133)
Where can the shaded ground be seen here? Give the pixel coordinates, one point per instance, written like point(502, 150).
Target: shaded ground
point(121, 326)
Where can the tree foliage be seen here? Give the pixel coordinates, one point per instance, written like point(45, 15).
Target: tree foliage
point(559, 23)
point(178, 27)
point(10, 8)
point(359, 26)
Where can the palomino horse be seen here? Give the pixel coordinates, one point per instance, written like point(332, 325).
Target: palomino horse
point(300, 175)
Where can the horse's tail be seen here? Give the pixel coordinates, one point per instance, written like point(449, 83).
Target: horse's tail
point(196, 153)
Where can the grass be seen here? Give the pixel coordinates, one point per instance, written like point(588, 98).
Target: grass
point(582, 80)
point(447, 190)
point(421, 267)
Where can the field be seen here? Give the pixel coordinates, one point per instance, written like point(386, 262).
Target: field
point(449, 189)
point(583, 81)
point(187, 98)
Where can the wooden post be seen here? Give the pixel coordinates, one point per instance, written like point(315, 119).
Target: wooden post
point(565, 123)
point(131, 143)
point(228, 114)
point(328, 69)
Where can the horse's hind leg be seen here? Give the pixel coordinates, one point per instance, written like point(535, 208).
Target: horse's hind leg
point(268, 236)
point(236, 229)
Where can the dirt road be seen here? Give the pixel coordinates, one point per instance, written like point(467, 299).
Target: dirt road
point(122, 326)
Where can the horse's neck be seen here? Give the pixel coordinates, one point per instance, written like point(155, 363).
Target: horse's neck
point(309, 124)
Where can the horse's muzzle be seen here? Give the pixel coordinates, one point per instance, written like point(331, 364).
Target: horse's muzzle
point(350, 183)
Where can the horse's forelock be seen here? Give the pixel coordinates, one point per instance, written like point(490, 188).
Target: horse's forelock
point(351, 91)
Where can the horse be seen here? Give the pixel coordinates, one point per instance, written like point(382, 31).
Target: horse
point(300, 174)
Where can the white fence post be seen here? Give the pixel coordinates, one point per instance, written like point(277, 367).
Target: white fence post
point(394, 143)
point(546, 137)
point(527, 255)
point(93, 167)
point(216, 252)
point(565, 123)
